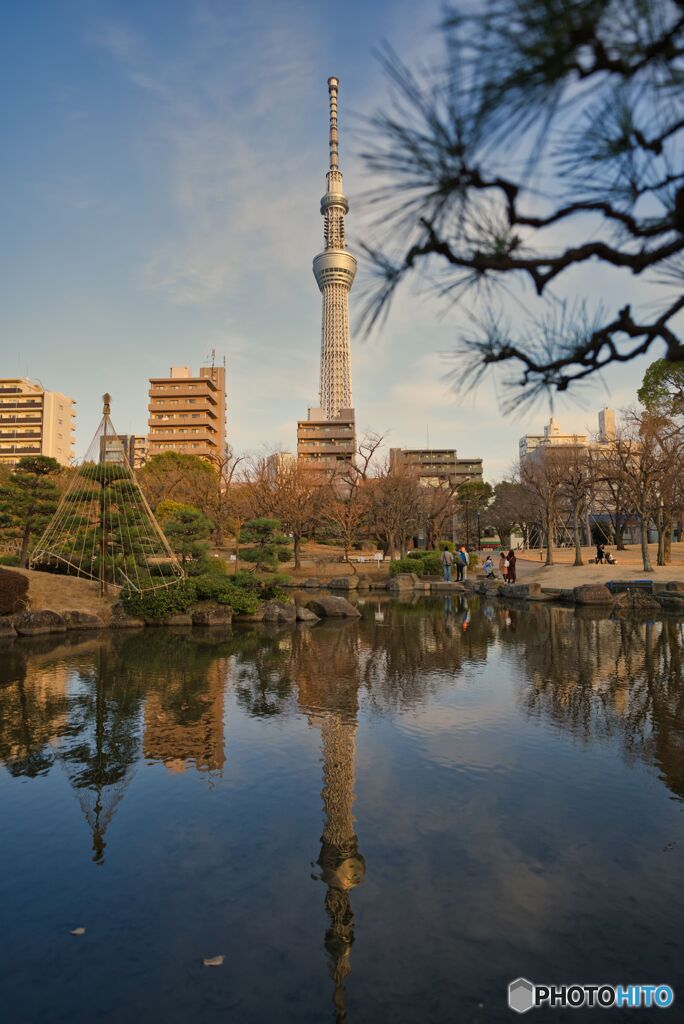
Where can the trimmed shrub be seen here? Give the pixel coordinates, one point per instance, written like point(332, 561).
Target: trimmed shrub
point(13, 592)
point(432, 564)
point(406, 565)
point(9, 559)
point(160, 604)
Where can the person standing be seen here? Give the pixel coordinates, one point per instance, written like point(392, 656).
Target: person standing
point(511, 559)
point(503, 566)
point(447, 562)
point(463, 555)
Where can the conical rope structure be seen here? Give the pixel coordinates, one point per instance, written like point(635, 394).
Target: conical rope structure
point(103, 528)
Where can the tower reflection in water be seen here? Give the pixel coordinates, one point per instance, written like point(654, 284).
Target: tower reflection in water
point(328, 678)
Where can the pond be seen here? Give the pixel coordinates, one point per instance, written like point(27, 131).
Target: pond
point(387, 819)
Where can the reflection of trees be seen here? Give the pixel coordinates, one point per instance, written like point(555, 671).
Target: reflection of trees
point(599, 676)
point(412, 651)
point(81, 705)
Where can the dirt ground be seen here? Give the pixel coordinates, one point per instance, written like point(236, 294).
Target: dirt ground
point(324, 561)
point(60, 593)
point(66, 593)
point(565, 575)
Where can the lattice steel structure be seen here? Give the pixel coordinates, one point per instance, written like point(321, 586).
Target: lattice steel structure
point(335, 269)
point(104, 529)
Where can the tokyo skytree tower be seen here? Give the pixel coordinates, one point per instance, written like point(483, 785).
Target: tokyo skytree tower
point(335, 269)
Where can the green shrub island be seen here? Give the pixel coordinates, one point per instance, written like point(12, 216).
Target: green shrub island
point(243, 593)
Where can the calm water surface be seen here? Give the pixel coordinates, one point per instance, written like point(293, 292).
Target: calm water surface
point(378, 821)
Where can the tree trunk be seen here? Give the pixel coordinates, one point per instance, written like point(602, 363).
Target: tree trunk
point(297, 551)
point(23, 557)
point(549, 533)
point(644, 541)
point(577, 537)
point(667, 546)
point(620, 525)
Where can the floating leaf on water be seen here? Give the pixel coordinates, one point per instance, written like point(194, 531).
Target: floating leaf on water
point(78, 931)
point(214, 961)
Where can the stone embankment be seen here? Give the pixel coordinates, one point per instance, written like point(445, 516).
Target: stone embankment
point(624, 594)
point(616, 594)
point(39, 623)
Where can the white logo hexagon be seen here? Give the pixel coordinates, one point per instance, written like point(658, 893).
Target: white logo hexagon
point(521, 995)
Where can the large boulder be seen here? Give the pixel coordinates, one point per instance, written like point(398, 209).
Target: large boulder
point(7, 630)
point(676, 585)
point(592, 593)
point(671, 600)
point(521, 591)
point(305, 615)
point(180, 619)
point(212, 616)
point(332, 607)
point(277, 611)
point(344, 583)
point(364, 582)
point(379, 582)
point(313, 583)
point(76, 619)
point(257, 616)
point(407, 581)
point(37, 623)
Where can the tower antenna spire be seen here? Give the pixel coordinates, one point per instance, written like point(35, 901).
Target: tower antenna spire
point(333, 86)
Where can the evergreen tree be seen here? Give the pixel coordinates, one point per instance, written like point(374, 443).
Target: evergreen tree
point(187, 530)
point(28, 498)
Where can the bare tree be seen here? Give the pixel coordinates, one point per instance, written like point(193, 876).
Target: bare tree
point(576, 489)
point(293, 494)
point(396, 504)
point(646, 452)
point(542, 475)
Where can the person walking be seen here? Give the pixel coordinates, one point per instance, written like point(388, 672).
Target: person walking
point(600, 554)
point(447, 562)
point(511, 559)
point(503, 566)
point(488, 568)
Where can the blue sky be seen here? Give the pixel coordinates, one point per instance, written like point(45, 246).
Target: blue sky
point(163, 164)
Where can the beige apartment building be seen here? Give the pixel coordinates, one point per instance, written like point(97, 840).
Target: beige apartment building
point(34, 421)
point(327, 447)
point(187, 413)
point(553, 438)
point(436, 467)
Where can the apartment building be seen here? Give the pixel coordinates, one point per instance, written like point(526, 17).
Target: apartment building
point(325, 446)
point(34, 421)
point(187, 412)
point(436, 466)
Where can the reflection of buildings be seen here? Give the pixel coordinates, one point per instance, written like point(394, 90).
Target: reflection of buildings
point(190, 733)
